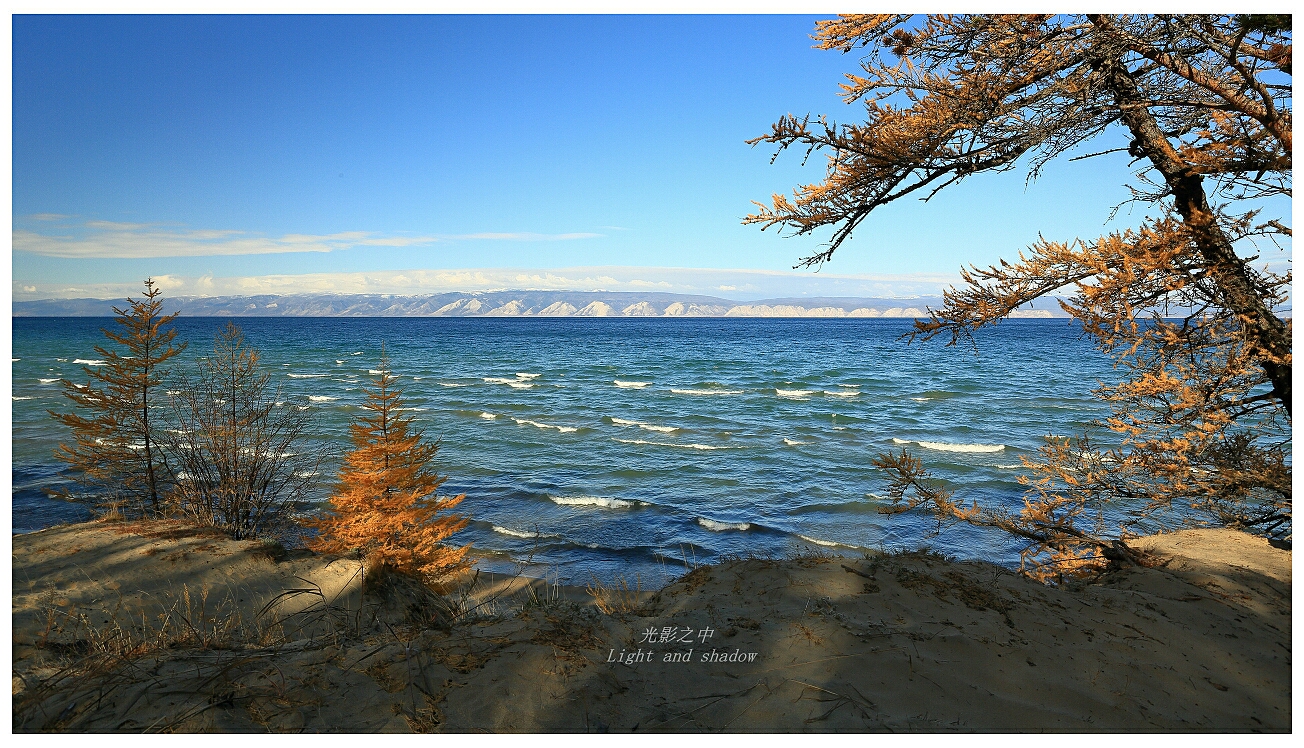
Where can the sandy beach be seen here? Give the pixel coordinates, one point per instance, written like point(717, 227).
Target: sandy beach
point(164, 627)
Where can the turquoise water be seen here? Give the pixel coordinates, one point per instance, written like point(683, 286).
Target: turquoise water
point(604, 446)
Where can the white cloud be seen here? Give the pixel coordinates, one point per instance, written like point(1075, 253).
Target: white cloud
point(115, 240)
point(48, 216)
point(526, 236)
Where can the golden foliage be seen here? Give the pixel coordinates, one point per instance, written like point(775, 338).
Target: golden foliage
point(385, 503)
point(1204, 102)
point(114, 453)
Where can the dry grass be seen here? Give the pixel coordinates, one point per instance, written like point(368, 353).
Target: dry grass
point(618, 598)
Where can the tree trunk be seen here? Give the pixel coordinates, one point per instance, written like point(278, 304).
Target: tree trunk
point(1265, 331)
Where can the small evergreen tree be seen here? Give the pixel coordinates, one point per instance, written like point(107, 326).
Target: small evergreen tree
point(385, 503)
point(114, 451)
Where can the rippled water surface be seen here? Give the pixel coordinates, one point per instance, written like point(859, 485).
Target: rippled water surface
point(604, 446)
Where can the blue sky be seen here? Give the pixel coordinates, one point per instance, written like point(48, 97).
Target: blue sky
point(283, 153)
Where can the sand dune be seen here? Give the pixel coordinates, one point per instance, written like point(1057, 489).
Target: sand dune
point(1200, 642)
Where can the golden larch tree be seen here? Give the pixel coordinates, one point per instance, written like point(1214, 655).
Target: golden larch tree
point(385, 503)
point(114, 454)
point(1202, 105)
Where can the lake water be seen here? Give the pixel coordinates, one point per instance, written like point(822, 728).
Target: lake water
point(634, 446)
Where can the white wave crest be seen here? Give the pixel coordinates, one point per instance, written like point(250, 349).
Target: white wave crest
point(794, 394)
point(305, 376)
point(602, 501)
point(671, 444)
point(488, 416)
point(377, 372)
point(16, 397)
point(1010, 467)
point(513, 383)
point(321, 398)
point(339, 362)
point(520, 534)
point(920, 399)
point(48, 381)
point(647, 426)
point(949, 447)
point(526, 375)
point(562, 429)
point(356, 353)
point(630, 385)
point(451, 384)
point(826, 543)
point(707, 392)
point(794, 442)
point(715, 526)
point(842, 393)
point(89, 361)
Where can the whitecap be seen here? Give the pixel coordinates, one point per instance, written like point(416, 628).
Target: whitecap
point(526, 375)
point(488, 416)
point(60, 360)
point(1010, 467)
point(377, 371)
point(48, 381)
point(451, 384)
point(305, 376)
point(89, 361)
point(671, 444)
point(715, 526)
point(949, 447)
point(339, 362)
point(602, 501)
point(842, 393)
point(630, 385)
point(646, 426)
point(562, 429)
point(520, 534)
point(513, 383)
point(826, 543)
point(920, 399)
point(305, 473)
point(707, 392)
point(19, 359)
point(356, 353)
point(794, 394)
point(16, 397)
point(321, 398)
point(794, 442)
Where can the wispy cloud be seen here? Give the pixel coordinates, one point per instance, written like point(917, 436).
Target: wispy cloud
point(115, 240)
point(525, 237)
point(739, 285)
point(48, 216)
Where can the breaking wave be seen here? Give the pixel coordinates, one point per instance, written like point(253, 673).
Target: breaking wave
point(794, 442)
point(671, 444)
point(647, 426)
point(321, 398)
point(562, 429)
point(794, 394)
point(715, 526)
point(513, 383)
point(48, 381)
point(630, 385)
point(605, 502)
point(305, 376)
point(826, 543)
point(707, 392)
point(89, 361)
point(949, 447)
point(526, 375)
